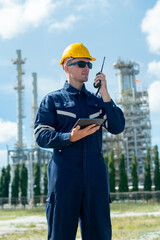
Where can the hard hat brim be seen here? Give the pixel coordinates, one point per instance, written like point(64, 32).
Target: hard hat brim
point(90, 58)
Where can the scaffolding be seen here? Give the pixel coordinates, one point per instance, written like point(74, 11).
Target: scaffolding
point(137, 134)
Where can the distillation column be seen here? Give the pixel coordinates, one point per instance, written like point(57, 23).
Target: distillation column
point(34, 106)
point(19, 88)
point(37, 156)
point(135, 105)
point(17, 156)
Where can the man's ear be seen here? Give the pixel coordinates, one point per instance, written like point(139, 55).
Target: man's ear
point(66, 68)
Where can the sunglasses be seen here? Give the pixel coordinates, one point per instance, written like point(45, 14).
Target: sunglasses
point(81, 64)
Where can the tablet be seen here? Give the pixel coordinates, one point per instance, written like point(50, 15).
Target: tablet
point(84, 122)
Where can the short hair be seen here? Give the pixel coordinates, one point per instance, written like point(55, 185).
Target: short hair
point(67, 61)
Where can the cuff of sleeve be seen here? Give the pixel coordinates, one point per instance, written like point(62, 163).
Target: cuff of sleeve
point(65, 138)
point(111, 104)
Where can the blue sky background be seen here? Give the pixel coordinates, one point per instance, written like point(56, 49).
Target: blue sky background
point(42, 29)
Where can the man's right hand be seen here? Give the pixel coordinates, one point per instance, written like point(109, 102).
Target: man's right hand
point(78, 133)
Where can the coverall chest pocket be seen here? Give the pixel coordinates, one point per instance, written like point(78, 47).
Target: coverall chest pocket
point(66, 113)
point(95, 110)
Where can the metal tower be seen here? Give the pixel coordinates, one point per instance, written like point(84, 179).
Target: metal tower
point(135, 105)
point(19, 88)
point(34, 106)
point(20, 153)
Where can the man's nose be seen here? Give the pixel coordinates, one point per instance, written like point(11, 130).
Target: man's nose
point(86, 67)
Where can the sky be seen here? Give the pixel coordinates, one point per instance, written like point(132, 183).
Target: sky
point(42, 29)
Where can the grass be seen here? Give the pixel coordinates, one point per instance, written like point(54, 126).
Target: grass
point(6, 214)
point(124, 228)
point(134, 227)
point(27, 235)
point(122, 207)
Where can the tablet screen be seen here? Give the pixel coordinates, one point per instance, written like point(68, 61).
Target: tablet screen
point(84, 122)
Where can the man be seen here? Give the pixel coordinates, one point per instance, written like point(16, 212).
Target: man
point(78, 187)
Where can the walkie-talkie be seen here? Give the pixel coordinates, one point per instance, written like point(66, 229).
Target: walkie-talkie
point(99, 84)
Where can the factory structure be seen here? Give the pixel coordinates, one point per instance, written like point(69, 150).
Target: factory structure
point(20, 153)
point(134, 140)
point(137, 134)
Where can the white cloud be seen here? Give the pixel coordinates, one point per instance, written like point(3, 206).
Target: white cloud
point(150, 26)
point(16, 17)
point(154, 68)
point(3, 158)
point(66, 24)
point(93, 4)
point(8, 130)
point(19, 16)
point(154, 96)
point(86, 5)
point(31, 15)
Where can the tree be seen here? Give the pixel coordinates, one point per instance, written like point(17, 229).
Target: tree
point(15, 184)
point(3, 183)
point(106, 159)
point(0, 188)
point(111, 169)
point(45, 180)
point(123, 180)
point(23, 183)
point(36, 181)
point(147, 173)
point(134, 174)
point(156, 169)
point(8, 177)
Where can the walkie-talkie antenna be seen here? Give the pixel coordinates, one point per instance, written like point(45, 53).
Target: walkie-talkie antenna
point(103, 64)
point(99, 84)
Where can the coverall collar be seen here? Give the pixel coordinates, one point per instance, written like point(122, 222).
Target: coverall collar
point(73, 90)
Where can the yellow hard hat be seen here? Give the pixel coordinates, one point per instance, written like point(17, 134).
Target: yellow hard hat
point(76, 50)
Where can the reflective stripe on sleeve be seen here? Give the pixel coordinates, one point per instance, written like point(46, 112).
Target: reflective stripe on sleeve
point(41, 128)
point(106, 122)
point(105, 116)
point(69, 114)
point(94, 115)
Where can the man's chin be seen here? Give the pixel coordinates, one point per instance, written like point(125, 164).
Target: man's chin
point(85, 79)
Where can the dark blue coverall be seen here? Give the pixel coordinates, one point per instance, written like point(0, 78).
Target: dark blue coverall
point(78, 186)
